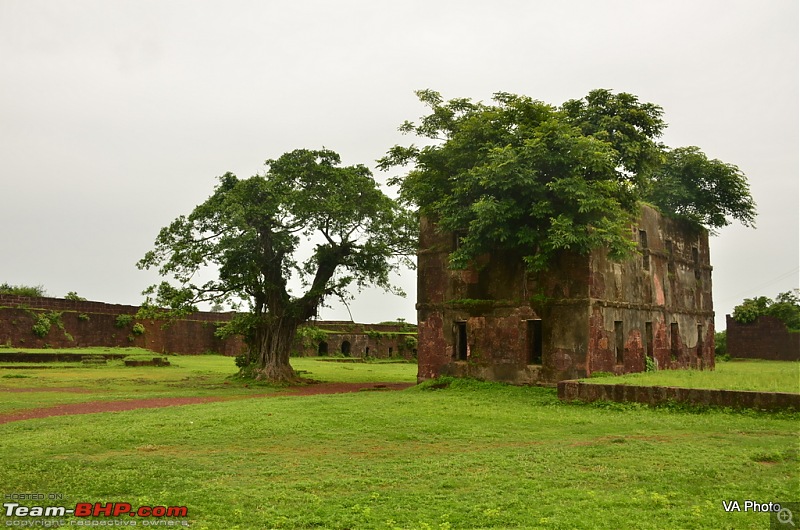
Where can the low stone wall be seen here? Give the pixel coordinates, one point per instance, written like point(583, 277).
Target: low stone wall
point(655, 395)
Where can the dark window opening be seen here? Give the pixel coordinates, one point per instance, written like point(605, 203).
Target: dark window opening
point(699, 340)
point(648, 339)
point(366, 352)
point(458, 235)
point(390, 351)
point(346, 348)
point(461, 341)
point(645, 250)
point(322, 349)
point(619, 342)
point(670, 257)
point(534, 340)
point(696, 261)
point(674, 339)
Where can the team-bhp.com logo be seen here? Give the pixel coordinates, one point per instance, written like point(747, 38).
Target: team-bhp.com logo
point(97, 509)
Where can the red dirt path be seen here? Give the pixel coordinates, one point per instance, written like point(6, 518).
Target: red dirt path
point(91, 407)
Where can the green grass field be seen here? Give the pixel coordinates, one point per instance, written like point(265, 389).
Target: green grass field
point(472, 455)
point(764, 376)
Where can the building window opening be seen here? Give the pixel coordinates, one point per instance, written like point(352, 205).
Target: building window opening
point(670, 257)
point(366, 352)
point(619, 342)
point(699, 340)
point(458, 235)
point(391, 350)
point(346, 348)
point(696, 261)
point(645, 250)
point(322, 349)
point(461, 341)
point(674, 339)
point(534, 340)
point(648, 339)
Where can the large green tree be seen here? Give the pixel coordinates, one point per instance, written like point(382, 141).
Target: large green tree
point(533, 178)
point(785, 307)
point(250, 231)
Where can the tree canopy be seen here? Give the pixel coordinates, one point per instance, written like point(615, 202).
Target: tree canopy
point(523, 175)
point(250, 231)
point(785, 307)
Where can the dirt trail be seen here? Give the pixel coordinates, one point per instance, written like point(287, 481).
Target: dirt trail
point(91, 407)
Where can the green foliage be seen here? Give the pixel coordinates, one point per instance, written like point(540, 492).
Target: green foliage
point(72, 295)
point(310, 336)
point(533, 179)
point(401, 323)
point(83, 317)
point(41, 327)
point(720, 344)
point(123, 321)
point(138, 329)
point(44, 321)
point(650, 364)
point(36, 291)
point(250, 231)
point(706, 192)
point(785, 307)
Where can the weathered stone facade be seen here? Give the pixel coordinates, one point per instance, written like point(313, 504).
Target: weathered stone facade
point(586, 314)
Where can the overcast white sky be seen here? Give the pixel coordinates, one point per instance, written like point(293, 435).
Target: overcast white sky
point(117, 116)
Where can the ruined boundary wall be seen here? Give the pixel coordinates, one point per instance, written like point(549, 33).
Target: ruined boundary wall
point(764, 338)
point(86, 323)
point(96, 324)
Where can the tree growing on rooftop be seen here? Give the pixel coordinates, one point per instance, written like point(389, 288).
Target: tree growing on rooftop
point(529, 177)
point(251, 231)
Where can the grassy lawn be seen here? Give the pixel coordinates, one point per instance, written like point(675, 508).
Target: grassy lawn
point(472, 455)
point(200, 375)
point(751, 374)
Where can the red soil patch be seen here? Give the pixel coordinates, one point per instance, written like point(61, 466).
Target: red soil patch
point(92, 407)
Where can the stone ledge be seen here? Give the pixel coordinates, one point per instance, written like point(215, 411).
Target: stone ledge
point(655, 395)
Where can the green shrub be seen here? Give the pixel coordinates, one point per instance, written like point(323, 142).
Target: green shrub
point(138, 329)
point(83, 317)
point(123, 321)
point(72, 295)
point(44, 321)
point(36, 291)
point(41, 327)
point(649, 364)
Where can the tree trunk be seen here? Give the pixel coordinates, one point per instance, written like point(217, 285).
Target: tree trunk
point(273, 342)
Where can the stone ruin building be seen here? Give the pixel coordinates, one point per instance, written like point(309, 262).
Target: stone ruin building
point(586, 314)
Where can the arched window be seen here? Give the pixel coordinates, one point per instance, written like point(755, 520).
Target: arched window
point(322, 349)
point(346, 347)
